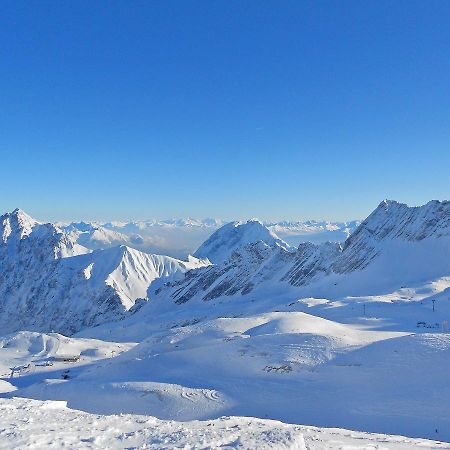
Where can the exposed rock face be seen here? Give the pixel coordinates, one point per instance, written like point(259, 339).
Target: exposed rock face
point(389, 222)
point(234, 235)
point(248, 266)
point(390, 232)
point(311, 262)
point(49, 282)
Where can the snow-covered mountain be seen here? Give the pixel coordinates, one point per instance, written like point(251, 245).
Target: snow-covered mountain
point(136, 226)
point(314, 231)
point(95, 237)
point(174, 237)
point(293, 335)
point(395, 245)
point(23, 238)
point(180, 237)
point(221, 245)
point(50, 282)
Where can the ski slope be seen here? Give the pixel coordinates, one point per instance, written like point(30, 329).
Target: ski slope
point(291, 365)
point(32, 353)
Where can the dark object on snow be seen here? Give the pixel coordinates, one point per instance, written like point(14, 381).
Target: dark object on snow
point(72, 359)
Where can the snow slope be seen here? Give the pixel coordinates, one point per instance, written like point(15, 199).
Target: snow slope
point(32, 352)
point(290, 366)
point(350, 336)
point(49, 282)
point(222, 243)
point(395, 246)
point(34, 424)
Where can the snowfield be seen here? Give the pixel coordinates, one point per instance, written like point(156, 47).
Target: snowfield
point(251, 346)
point(281, 365)
point(32, 424)
point(31, 352)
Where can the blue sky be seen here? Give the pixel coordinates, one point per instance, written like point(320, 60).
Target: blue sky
point(232, 109)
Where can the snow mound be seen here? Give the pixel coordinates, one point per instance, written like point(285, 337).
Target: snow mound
point(32, 352)
point(6, 387)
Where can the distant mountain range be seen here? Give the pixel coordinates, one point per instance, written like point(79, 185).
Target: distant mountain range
point(249, 325)
point(181, 237)
point(66, 278)
point(394, 246)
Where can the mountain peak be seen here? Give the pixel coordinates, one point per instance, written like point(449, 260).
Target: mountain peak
point(17, 223)
point(21, 216)
point(431, 217)
point(222, 243)
point(255, 220)
point(386, 203)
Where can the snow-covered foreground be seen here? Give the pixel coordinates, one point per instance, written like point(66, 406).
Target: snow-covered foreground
point(312, 361)
point(32, 424)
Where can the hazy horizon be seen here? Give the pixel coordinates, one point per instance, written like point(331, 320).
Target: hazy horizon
point(300, 218)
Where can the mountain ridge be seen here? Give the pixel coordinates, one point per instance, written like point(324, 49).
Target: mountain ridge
point(49, 282)
point(43, 266)
point(180, 237)
point(391, 234)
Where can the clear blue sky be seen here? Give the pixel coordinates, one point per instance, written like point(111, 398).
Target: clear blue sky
point(233, 109)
